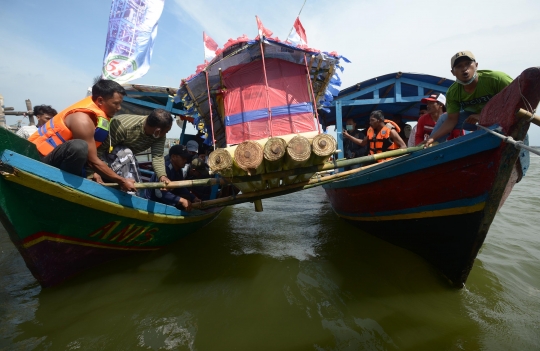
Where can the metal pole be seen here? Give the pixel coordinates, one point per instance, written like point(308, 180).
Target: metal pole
point(2, 116)
point(31, 121)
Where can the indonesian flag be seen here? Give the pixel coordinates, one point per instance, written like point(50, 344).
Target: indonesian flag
point(298, 35)
point(210, 47)
point(267, 33)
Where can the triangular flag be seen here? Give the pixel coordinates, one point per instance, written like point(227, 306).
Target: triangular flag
point(298, 35)
point(263, 31)
point(210, 47)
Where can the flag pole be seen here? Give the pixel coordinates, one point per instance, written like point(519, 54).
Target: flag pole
point(312, 94)
point(261, 34)
point(292, 28)
point(210, 109)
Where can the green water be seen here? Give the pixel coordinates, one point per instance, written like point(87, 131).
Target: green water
point(293, 277)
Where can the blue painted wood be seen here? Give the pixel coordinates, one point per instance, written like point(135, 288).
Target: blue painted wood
point(366, 91)
point(146, 93)
point(182, 135)
point(397, 91)
point(410, 99)
point(424, 85)
point(86, 186)
point(153, 105)
point(467, 145)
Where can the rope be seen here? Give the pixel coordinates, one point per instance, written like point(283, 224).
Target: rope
point(266, 86)
point(508, 139)
point(526, 102)
point(210, 109)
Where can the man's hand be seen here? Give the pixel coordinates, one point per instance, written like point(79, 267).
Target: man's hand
point(473, 119)
point(345, 133)
point(196, 199)
point(164, 179)
point(127, 184)
point(97, 178)
point(428, 143)
point(186, 204)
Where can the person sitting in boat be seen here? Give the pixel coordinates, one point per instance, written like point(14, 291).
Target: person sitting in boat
point(380, 137)
point(435, 109)
point(198, 169)
point(466, 98)
point(181, 198)
point(353, 149)
point(412, 140)
point(193, 148)
point(70, 139)
point(132, 134)
point(43, 113)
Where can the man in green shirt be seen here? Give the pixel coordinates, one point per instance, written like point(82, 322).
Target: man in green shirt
point(132, 134)
point(467, 97)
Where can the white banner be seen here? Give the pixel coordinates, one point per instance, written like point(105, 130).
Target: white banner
point(132, 30)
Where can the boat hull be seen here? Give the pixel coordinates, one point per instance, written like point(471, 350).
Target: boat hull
point(441, 201)
point(63, 224)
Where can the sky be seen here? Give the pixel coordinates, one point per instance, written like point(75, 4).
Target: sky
point(50, 51)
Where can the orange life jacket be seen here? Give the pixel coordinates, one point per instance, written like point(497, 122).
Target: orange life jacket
point(382, 142)
point(55, 131)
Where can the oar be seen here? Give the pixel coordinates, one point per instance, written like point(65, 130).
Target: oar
point(272, 175)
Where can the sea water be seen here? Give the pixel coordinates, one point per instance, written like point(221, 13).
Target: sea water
point(294, 277)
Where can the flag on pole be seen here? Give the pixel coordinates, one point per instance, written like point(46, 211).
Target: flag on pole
point(298, 34)
point(210, 47)
point(130, 39)
point(267, 33)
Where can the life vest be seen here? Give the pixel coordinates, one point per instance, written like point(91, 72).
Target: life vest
point(55, 131)
point(382, 142)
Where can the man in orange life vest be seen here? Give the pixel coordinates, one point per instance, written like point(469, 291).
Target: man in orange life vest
point(380, 137)
point(70, 139)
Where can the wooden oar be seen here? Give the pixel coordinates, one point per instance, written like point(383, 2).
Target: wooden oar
point(267, 176)
point(526, 114)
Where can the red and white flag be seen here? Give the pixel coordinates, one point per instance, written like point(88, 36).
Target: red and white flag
point(267, 33)
point(210, 47)
point(298, 34)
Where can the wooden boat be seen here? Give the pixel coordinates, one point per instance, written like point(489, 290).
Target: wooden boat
point(439, 202)
point(63, 224)
point(258, 100)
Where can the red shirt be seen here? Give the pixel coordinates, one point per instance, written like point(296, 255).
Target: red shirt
point(425, 127)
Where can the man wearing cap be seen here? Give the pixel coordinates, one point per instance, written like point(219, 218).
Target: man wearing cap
point(466, 98)
point(435, 104)
point(181, 198)
point(193, 148)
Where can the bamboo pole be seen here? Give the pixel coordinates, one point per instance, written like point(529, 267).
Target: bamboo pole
point(293, 172)
point(252, 197)
point(29, 108)
point(535, 119)
point(3, 123)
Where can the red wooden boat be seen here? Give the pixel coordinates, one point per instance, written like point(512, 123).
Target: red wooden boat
point(441, 201)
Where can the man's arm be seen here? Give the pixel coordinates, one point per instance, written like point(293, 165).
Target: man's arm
point(362, 142)
point(82, 127)
point(158, 162)
point(419, 135)
point(446, 128)
point(397, 139)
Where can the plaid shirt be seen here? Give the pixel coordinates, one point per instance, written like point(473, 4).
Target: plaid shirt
point(128, 130)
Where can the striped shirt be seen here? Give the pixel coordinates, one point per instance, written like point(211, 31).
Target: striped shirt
point(128, 130)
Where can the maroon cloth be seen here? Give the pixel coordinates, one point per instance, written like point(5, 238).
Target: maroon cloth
point(502, 107)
